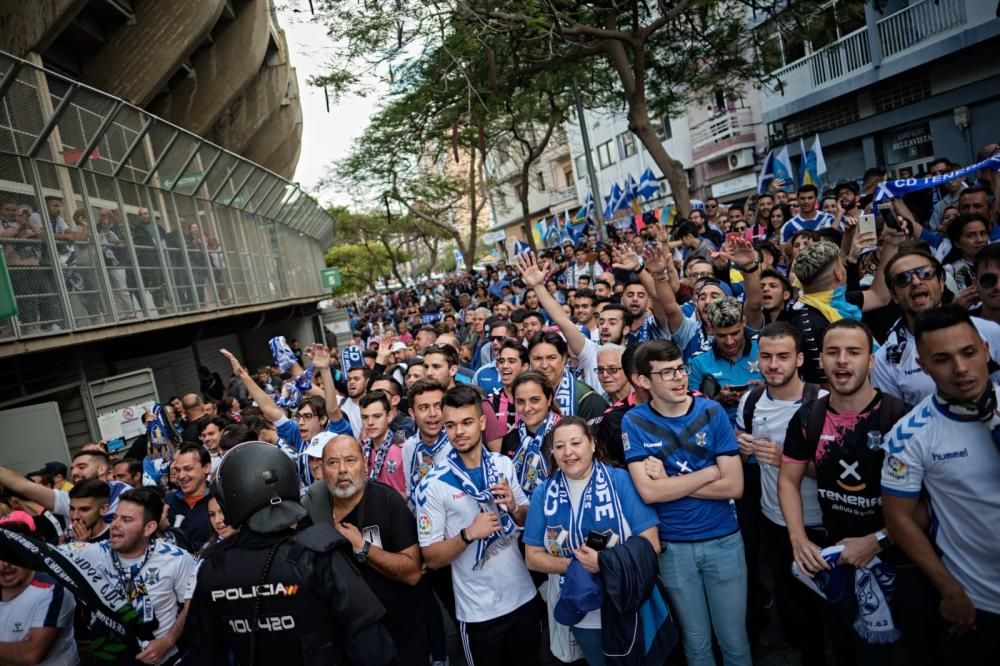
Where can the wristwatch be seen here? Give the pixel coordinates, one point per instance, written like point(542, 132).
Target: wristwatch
point(882, 539)
point(464, 536)
point(362, 555)
point(752, 268)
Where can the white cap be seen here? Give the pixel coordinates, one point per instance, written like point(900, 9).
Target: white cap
point(397, 346)
point(317, 443)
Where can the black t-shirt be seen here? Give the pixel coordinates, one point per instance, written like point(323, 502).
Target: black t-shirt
point(812, 325)
point(607, 430)
point(848, 462)
point(385, 521)
point(49, 527)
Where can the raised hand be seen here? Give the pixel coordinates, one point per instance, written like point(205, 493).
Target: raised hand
point(625, 258)
point(655, 261)
point(527, 267)
point(741, 251)
point(238, 368)
point(319, 354)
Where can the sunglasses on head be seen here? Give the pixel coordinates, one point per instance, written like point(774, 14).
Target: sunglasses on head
point(924, 273)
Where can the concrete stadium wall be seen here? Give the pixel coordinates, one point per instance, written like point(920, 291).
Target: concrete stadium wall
point(33, 25)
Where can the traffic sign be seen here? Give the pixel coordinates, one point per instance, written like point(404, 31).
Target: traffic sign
point(331, 277)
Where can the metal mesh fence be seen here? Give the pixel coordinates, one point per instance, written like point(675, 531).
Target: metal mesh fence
point(109, 215)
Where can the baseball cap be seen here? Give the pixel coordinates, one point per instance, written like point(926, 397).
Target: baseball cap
point(318, 443)
point(581, 593)
point(397, 346)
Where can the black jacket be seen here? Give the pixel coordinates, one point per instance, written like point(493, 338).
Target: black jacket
point(310, 607)
point(635, 610)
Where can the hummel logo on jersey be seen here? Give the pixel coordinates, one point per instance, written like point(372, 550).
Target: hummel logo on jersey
point(653, 445)
point(949, 455)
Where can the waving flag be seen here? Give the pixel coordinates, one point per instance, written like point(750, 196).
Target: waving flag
point(611, 203)
point(520, 247)
point(648, 186)
point(625, 197)
point(776, 166)
point(459, 261)
point(552, 233)
point(813, 164)
point(539, 229)
point(576, 231)
point(633, 193)
point(585, 210)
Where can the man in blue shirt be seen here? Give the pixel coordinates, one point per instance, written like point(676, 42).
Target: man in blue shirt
point(809, 217)
point(683, 457)
point(726, 370)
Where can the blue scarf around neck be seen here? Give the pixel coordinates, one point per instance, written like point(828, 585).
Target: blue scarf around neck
point(600, 510)
point(566, 394)
point(423, 462)
point(529, 461)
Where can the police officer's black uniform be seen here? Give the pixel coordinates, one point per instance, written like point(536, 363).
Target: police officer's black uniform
point(271, 596)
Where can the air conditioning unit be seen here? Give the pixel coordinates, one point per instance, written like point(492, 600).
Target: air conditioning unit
point(740, 159)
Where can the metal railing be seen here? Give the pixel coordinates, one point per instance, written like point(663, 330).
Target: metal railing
point(109, 215)
point(562, 195)
point(908, 27)
point(726, 125)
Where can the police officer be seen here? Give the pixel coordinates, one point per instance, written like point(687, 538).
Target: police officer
point(270, 595)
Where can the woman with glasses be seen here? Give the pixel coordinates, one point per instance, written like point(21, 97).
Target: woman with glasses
point(583, 496)
point(525, 443)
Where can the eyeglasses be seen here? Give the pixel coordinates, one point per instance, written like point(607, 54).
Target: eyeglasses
point(608, 370)
point(670, 374)
point(924, 273)
point(700, 275)
point(304, 417)
point(739, 228)
point(988, 280)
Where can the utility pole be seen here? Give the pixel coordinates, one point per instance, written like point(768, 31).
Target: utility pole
point(595, 191)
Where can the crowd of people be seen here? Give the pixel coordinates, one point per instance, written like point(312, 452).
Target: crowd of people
point(774, 413)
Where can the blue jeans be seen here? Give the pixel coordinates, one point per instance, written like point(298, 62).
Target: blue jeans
point(591, 644)
point(707, 585)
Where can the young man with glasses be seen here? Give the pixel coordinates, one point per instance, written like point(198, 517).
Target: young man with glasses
point(683, 457)
point(487, 377)
point(987, 270)
point(916, 281)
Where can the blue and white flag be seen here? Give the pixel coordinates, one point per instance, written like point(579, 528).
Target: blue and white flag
point(776, 166)
point(612, 201)
point(283, 355)
point(552, 233)
point(585, 210)
point(350, 357)
point(520, 247)
point(648, 185)
point(813, 165)
point(891, 189)
point(627, 195)
point(459, 260)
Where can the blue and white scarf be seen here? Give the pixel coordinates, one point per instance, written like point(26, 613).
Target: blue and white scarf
point(600, 510)
point(457, 477)
point(283, 355)
point(162, 441)
point(873, 586)
point(529, 461)
point(423, 462)
point(566, 394)
point(380, 454)
point(292, 392)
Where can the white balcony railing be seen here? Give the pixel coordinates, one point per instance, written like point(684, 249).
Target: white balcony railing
point(562, 195)
point(908, 27)
point(725, 126)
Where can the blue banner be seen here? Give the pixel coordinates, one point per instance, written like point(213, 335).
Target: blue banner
point(892, 189)
point(350, 357)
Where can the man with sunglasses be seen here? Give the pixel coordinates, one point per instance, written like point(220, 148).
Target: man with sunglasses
point(487, 377)
point(987, 270)
point(916, 282)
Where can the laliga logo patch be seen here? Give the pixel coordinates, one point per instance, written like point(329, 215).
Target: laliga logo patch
point(424, 523)
point(896, 469)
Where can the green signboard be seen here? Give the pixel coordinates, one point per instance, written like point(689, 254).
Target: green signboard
point(331, 278)
point(8, 304)
point(186, 181)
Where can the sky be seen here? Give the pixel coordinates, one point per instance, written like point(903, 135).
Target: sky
point(326, 137)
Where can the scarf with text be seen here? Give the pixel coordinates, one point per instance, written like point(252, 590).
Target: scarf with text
point(892, 189)
point(872, 585)
point(566, 394)
point(423, 462)
point(102, 596)
point(456, 476)
point(529, 461)
point(600, 510)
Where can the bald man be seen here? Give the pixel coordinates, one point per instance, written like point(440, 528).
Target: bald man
point(383, 536)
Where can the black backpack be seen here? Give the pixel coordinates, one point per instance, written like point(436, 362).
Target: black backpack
point(809, 394)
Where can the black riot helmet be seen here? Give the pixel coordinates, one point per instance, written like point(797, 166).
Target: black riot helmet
point(257, 486)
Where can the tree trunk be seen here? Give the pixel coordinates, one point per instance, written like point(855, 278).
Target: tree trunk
point(392, 259)
point(469, 255)
point(673, 170)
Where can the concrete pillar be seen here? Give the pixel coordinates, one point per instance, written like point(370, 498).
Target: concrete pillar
point(261, 98)
point(140, 58)
point(33, 26)
point(222, 71)
point(277, 130)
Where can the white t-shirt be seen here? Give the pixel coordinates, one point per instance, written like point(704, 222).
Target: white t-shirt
point(353, 413)
point(503, 584)
point(409, 446)
point(777, 414)
point(588, 365)
point(167, 579)
point(957, 463)
point(42, 604)
point(904, 379)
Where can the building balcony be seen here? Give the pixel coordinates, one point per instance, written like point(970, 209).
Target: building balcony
point(116, 222)
point(562, 195)
point(881, 49)
point(731, 130)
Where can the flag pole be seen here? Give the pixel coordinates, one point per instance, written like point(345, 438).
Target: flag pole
point(591, 172)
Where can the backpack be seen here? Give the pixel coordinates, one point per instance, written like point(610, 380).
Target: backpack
point(809, 394)
point(891, 409)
